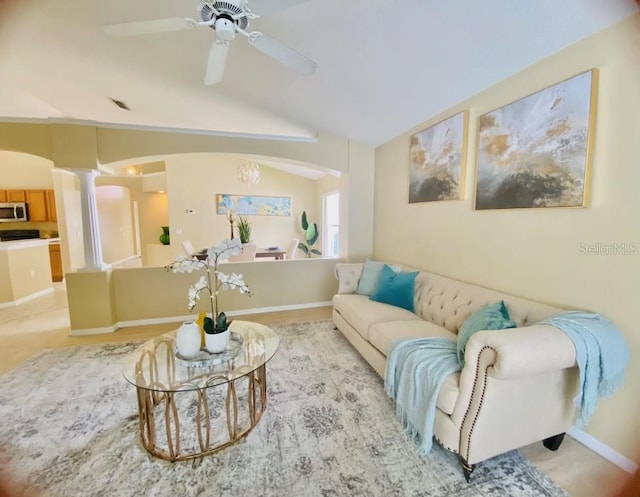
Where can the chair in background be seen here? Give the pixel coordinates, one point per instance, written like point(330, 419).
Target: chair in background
point(248, 254)
point(293, 249)
point(187, 246)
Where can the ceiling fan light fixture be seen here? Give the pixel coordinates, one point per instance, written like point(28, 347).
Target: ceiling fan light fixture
point(225, 29)
point(249, 172)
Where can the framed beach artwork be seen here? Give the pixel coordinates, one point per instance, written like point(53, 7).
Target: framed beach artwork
point(437, 156)
point(536, 152)
point(253, 205)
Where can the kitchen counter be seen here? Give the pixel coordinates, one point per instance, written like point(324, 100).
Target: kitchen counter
point(25, 270)
point(29, 242)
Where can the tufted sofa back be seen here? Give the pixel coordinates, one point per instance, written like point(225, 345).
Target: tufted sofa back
point(448, 302)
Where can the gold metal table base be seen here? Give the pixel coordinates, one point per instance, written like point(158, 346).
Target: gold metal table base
point(152, 401)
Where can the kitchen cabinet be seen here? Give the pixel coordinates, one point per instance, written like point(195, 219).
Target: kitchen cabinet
point(16, 196)
point(55, 260)
point(42, 203)
point(37, 205)
point(51, 206)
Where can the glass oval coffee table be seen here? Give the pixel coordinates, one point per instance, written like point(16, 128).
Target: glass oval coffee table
point(191, 408)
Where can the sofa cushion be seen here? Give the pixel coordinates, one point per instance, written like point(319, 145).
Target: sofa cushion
point(490, 317)
point(383, 334)
point(395, 288)
point(361, 313)
point(370, 276)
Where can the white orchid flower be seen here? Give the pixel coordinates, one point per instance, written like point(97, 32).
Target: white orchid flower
point(215, 254)
point(221, 252)
point(182, 265)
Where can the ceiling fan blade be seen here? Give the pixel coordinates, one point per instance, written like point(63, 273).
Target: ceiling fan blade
point(282, 53)
point(216, 61)
point(148, 27)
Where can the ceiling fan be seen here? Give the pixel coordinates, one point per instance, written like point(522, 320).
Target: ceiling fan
point(226, 18)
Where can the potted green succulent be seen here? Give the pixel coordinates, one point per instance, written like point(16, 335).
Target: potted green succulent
point(311, 236)
point(216, 327)
point(244, 229)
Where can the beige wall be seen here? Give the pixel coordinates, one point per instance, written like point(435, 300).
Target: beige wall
point(24, 271)
point(103, 299)
point(25, 171)
point(194, 180)
point(535, 253)
point(66, 186)
point(116, 223)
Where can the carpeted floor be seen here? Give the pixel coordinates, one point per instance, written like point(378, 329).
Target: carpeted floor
point(69, 427)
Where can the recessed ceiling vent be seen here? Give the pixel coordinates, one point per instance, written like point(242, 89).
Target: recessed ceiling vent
point(120, 104)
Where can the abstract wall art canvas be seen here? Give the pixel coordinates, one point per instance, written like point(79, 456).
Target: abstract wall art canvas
point(254, 205)
point(437, 158)
point(535, 152)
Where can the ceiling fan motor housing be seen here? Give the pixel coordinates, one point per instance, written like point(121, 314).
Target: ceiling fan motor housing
point(228, 10)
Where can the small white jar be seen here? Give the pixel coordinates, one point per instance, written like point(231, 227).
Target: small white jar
point(188, 339)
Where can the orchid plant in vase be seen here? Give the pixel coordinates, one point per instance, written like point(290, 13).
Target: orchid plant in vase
point(213, 281)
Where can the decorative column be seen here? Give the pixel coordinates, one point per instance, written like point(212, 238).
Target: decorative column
point(90, 224)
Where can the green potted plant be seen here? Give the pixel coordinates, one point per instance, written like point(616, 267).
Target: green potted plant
point(311, 236)
point(244, 229)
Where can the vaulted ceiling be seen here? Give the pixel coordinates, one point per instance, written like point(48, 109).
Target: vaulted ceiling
point(383, 66)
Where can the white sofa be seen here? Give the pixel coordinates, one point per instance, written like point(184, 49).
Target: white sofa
point(517, 385)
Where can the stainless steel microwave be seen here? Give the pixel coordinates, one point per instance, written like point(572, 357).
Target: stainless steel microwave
point(11, 212)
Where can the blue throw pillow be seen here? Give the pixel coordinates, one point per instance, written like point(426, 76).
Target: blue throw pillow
point(370, 276)
point(395, 288)
point(490, 317)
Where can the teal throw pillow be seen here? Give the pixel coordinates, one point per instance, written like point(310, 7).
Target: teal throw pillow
point(490, 317)
point(370, 276)
point(395, 288)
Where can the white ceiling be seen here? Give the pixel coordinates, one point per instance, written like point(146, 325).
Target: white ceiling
point(384, 66)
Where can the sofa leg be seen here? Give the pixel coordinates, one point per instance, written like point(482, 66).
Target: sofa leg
point(467, 469)
point(553, 443)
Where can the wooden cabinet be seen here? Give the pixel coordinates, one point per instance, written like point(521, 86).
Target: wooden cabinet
point(42, 203)
point(16, 196)
point(37, 205)
point(51, 206)
point(55, 259)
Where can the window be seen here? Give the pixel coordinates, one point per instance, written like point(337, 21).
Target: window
point(331, 216)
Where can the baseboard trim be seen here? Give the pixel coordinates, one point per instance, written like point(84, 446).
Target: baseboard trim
point(93, 331)
point(27, 298)
point(604, 450)
point(192, 317)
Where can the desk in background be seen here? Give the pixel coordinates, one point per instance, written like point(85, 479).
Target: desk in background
point(278, 254)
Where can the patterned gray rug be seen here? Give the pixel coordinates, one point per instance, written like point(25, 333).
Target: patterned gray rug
point(69, 427)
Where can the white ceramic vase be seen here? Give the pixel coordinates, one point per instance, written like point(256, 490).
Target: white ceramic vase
point(188, 339)
point(216, 342)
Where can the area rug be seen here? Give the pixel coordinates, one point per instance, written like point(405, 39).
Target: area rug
point(69, 428)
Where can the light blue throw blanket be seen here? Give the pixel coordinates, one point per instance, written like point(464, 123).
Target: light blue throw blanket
point(601, 355)
point(415, 371)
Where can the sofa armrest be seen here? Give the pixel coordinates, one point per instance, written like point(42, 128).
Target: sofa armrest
point(525, 351)
point(517, 387)
point(348, 275)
